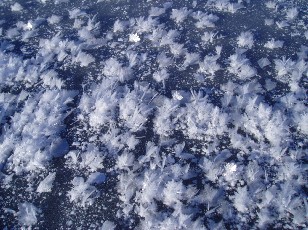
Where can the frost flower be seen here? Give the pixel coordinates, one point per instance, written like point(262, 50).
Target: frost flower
point(134, 38)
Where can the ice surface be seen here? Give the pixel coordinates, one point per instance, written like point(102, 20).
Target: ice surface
point(153, 114)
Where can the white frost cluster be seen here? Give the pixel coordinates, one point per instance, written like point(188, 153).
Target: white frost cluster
point(272, 44)
point(245, 39)
point(27, 214)
point(240, 65)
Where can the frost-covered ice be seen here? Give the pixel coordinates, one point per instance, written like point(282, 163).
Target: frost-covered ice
point(153, 114)
point(27, 214)
point(46, 184)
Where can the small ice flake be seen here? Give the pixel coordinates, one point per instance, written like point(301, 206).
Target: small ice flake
point(268, 22)
point(177, 96)
point(27, 214)
point(46, 184)
point(29, 26)
point(160, 75)
point(230, 173)
point(263, 62)
point(16, 7)
point(230, 168)
point(134, 38)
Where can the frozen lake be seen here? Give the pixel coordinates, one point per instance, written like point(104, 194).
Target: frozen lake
point(153, 115)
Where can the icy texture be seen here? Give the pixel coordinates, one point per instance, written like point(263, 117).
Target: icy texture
point(153, 114)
